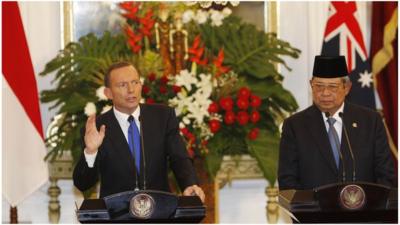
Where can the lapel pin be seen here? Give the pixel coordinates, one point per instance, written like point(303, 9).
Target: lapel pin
point(354, 125)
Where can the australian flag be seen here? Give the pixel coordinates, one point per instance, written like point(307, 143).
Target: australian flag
point(343, 36)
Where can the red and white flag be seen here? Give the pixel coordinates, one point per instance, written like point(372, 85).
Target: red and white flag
point(24, 169)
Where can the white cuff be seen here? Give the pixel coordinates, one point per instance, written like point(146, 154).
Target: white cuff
point(90, 158)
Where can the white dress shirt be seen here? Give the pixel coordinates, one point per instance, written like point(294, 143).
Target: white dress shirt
point(338, 124)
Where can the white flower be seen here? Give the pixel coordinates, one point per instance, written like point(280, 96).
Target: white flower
point(186, 120)
point(180, 102)
point(216, 18)
point(185, 79)
point(205, 84)
point(197, 112)
point(201, 16)
point(226, 11)
point(100, 93)
point(90, 109)
point(234, 3)
point(106, 108)
point(187, 16)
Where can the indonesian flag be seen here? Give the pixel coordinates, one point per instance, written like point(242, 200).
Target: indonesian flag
point(24, 168)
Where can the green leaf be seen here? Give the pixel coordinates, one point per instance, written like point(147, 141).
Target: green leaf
point(265, 149)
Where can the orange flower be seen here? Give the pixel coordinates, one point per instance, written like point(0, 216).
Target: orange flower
point(218, 63)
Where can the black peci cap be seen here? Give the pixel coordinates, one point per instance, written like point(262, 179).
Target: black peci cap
point(330, 66)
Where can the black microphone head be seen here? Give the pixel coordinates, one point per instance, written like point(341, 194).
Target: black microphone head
point(140, 118)
point(341, 115)
point(327, 114)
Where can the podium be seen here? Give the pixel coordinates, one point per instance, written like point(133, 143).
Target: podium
point(148, 206)
point(357, 202)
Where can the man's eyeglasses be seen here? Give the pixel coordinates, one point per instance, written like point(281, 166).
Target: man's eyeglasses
point(124, 85)
point(320, 87)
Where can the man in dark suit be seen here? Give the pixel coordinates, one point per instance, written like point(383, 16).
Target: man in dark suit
point(114, 152)
point(314, 147)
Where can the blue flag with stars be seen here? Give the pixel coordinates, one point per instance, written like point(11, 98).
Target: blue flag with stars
point(343, 36)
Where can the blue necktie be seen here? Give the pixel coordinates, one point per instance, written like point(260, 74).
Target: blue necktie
point(134, 141)
point(334, 140)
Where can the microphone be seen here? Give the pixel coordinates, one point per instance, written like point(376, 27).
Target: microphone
point(142, 151)
point(349, 145)
point(340, 153)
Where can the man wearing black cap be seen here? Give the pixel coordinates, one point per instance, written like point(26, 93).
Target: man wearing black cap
point(333, 140)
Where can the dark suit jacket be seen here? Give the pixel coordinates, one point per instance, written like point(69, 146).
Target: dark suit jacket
point(114, 164)
point(306, 160)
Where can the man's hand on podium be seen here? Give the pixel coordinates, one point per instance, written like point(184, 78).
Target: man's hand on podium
point(194, 190)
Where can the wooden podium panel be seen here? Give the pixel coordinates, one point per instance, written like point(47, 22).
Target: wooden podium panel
point(325, 204)
point(167, 208)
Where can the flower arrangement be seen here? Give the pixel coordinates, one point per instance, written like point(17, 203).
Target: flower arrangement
point(228, 95)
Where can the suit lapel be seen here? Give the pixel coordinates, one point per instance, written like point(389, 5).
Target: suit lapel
point(351, 122)
point(145, 118)
point(118, 140)
point(320, 136)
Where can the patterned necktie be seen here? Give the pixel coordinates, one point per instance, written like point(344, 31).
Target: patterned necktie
point(334, 140)
point(134, 141)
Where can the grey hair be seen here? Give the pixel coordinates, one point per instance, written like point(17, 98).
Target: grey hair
point(346, 79)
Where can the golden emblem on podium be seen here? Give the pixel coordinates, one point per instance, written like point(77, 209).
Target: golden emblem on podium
point(352, 197)
point(142, 206)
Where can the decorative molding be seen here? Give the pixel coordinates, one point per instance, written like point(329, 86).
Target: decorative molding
point(61, 167)
point(237, 167)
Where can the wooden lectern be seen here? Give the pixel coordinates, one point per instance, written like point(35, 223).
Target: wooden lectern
point(357, 202)
point(142, 207)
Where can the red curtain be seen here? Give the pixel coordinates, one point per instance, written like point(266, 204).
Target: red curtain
point(384, 60)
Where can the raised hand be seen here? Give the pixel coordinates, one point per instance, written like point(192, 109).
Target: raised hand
point(93, 137)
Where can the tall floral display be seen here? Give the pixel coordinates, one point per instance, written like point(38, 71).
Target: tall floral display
point(218, 72)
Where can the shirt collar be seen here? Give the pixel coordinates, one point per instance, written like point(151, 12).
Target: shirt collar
point(124, 117)
point(336, 115)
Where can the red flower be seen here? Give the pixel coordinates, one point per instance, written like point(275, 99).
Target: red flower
point(255, 101)
point(204, 143)
point(133, 39)
point(134, 47)
point(176, 89)
point(131, 9)
point(213, 108)
point(147, 23)
point(253, 134)
point(242, 117)
point(145, 89)
point(184, 131)
point(244, 92)
point(214, 125)
point(242, 103)
point(163, 89)
point(190, 152)
point(218, 63)
point(195, 45)
point(226, 103)
point(191, 137)
point(229, 117)
point(196, 52)
point(152, 76)
point(150, 101)
point(164, 79)
point(254, 116)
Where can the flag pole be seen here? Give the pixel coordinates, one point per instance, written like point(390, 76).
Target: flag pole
point(13, 215)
